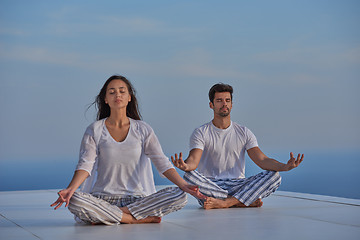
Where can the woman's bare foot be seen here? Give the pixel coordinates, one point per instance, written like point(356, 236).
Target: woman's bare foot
point(128, 218)
point(150, 219)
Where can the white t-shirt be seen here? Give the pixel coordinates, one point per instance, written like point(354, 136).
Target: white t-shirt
point(123, 168)
point(223, 154)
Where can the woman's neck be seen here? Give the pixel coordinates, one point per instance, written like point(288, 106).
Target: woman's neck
point(118, 118)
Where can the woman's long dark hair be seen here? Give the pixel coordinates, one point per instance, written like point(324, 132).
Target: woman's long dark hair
point(132, 109)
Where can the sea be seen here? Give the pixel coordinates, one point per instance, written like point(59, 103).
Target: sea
point(323, 173)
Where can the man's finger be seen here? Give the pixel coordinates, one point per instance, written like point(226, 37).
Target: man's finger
point(173, 160)
point(300, 159)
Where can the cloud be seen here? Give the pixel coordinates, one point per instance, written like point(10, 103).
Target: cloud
point(114, 25)
point(12, 32)
point(39, 55)
point(326, 57)
point(195, 62)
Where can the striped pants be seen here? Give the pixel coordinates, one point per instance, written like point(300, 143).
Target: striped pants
point(106, 209)
point(246, 190)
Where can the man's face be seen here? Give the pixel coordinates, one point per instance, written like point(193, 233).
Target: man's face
point(222, 104)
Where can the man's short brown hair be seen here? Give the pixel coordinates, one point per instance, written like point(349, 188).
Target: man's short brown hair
point(219, 87)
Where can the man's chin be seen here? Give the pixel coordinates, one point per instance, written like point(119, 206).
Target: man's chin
point(224, 114)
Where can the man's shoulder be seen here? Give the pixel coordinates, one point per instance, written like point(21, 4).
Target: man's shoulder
point(203, 127)
point(238, 126)
point(241, 129)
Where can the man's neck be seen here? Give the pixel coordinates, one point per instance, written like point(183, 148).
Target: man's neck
point(222, 122)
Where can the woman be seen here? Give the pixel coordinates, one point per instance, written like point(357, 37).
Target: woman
point(115, 169)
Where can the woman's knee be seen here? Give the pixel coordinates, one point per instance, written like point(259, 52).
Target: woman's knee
point(178, 196)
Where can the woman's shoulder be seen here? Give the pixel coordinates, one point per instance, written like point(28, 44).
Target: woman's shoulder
point(97, 123)
point(95, 126)
point(140, 123)
point(141, 126)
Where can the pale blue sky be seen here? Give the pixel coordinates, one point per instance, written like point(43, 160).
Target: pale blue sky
point(294, 66)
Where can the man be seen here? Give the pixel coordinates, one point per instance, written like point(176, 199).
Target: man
point(217, 151)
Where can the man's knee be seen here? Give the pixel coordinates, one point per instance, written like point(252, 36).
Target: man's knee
point(189, 175)
point(277, 177)
point(275, 180)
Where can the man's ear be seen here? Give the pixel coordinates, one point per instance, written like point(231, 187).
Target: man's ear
point(211, 105)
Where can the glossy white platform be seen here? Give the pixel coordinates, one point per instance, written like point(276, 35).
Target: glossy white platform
point(285, 215)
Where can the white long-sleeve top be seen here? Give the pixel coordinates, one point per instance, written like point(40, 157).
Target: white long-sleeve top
point(121, 168)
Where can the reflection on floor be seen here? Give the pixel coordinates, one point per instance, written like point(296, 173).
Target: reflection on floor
point(284, 215)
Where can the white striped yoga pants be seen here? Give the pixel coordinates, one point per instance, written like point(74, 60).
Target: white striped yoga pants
point(105, 209)
point(246, 190)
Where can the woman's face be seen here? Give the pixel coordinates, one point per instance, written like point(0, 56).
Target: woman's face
point(117, 94)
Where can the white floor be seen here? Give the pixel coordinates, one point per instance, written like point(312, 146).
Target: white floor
point(285, 215)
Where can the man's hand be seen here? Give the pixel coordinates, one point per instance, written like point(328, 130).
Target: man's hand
point(293, 163)
point(179, 163)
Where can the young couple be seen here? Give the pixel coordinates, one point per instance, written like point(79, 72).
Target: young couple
point(115, 174)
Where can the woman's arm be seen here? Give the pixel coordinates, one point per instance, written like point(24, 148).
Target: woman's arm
point(174, 177)
point(65, 194)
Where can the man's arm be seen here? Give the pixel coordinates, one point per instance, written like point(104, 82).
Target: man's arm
point(190, 163)
point(266, 163)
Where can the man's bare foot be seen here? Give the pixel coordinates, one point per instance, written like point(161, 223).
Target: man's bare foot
point(214, 203)
point(257, 203)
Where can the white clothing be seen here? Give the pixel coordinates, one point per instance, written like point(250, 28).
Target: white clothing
point(223, 154)
point(123, 168)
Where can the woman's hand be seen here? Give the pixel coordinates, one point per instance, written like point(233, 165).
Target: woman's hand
point(193, 190)
point(64, 196)
point(174, 177)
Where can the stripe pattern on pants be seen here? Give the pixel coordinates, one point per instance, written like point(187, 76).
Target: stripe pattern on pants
point(159, 204)
point(90, 209)
point(246, 190)
point(105, 209)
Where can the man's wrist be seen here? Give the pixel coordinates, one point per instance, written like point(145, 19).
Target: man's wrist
point(285, 167)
